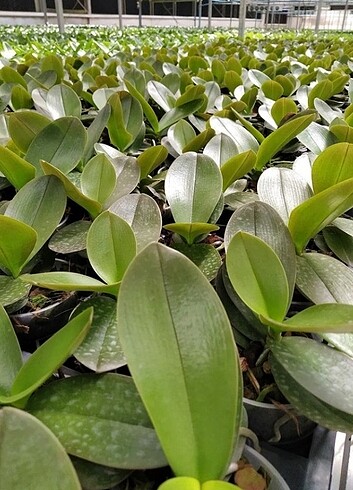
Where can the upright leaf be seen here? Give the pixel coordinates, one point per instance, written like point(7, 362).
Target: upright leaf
point(24, 127)
point(15, 168)
point(10, 354)
point(200, 372)
point(98, 178)
point(63, 101)
point(111, 246)
point(332, 166)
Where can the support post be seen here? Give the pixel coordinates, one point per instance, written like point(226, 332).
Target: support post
point(200, 13)
point(345, 15)
point(318, 16)
point(242, 16)
point(267, 14)
point(120, 7)
point(209, 14)
point(43, 8)
point(139, 5)
point(60, 15)
point(89, 7)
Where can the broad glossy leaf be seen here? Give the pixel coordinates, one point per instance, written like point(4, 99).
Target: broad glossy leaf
point(193, 187)
point(142, 213)
point(236, 167)
point(24, 127)
point(322, 90)
point(273, 143)
point(332, 166)
point(322, 371)
point(177, 113)
point(63, 101)
point(161, 95)
point(101, 350)
point(69, 281)
point(205, 256)
point(73, 192)
point(70, 239)
point(317, 137)
point(191, 231)
point(243, 139)
point(180, 134)
point(199, 141)
point(236, 199)
point(181, 483)
point(20, 98)
point(340, 243)
point(258, 276)
point(10, 75)
point(221, 148)
point(102, 95)
point(282, 107)
point(95, 130)
point(10, 354)
point(31, 456)
point(40, 204)
point(111, 246)
point(342, 132)
point(17, 241)
point(272, 89)
point(125, 121)
point(310, 217)
point(261, 220)
point(247, 125)
point(100, 418)
point(326, 111)
point(60, 143)
point(48, 358)
point(150, 159)
point(283, 189)
point(147, 109)
point(98, 178)
point(13, 293)
point(15, 168)
point(127, 177)
point(94, 476)
point(152, 320)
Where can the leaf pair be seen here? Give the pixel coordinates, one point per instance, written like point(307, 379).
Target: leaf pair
point(186, 483)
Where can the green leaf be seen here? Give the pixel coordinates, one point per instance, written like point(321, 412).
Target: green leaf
point(93, 207)
point(31, 456)
point(101, 350)
point(69, 281)
point(282, 107)
point(10, 75)
point(236, 167)
point(147, 109)
point(272, 90)
point(181, 483)
point(191, 231)
point(49, 357)
point(98, 178)
point(152, 327)
point(40, 204)
point(60, 143)
point(127, 177)
point(310, 217)
point(180, 134)
point(261, 220)
point(13, 293)
point(221, 148)
point(177, 113)
point(199, 141)
point(63, 101)
point(322, 90)
point(273, 143)
point(258, 276)
point(193, 187)
point(94, 476)
point(95, 130)
point(320, 371)
point(283, 189)
point(70, 239)
point(340, 243)
point(205, 256)
point(10, 354)
point(243, 139)
point(125, 120)
point(142, 213)
point(17, 241)
point(333, 318)
point(317, 138)
point(247, 125)
point(111, 246)
point(161, 94)
point(100, 418)
point(332, 166)
point(24, 127)
point(15, 168)
point(150, 159)
point(342, 132)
